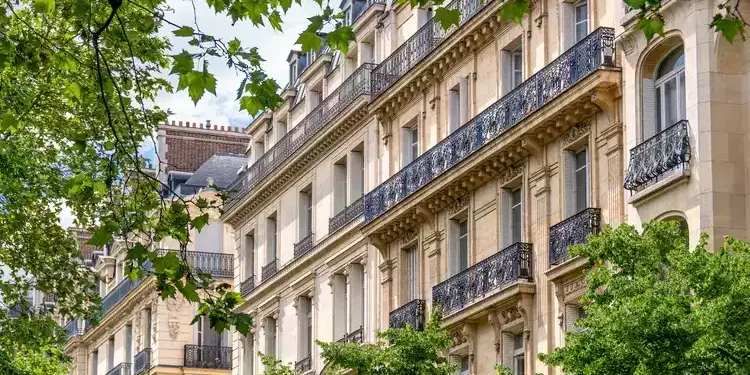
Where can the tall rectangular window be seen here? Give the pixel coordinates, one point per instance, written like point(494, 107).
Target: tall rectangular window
point(111, 353)
point(305, 212)
point(339, 185)
point(270, 332)
point(147, 330)
point(464, 368)
point(458, 102)
point(271, 238)
point(411, 142)
point(516, 216)
point(128, 344)
point(459, 246)
point(511, 66)
point(412, 274)
point(518, 355)
point(581, 20)
point(249, 256)
point(516, 68)
point(356, 171)
point(94, 362)
point(248, 352)
point(582, 180)
point(304, 316)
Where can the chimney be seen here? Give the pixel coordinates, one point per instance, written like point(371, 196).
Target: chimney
point(208, 124)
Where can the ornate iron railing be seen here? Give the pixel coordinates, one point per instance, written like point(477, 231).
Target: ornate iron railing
point(116, 295)
point(304, 365)
point(410, 314)
point(572, 231)
point(346, 215)
point(334, 104)
point(247, 286)
point(585, 57)
point(76, 327)
point(487, 276)
point(355, 337)
point(269, 270)
point(419, 45)
point(656, 157)
point(216, 264)
point(303, 246)
point(142, 361)
point(206, 356)
point(121, 369)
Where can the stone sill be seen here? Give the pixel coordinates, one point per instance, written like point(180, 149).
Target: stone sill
point(659, 188)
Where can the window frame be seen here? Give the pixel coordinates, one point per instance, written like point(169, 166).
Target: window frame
point(677, 76)
point(576, 22)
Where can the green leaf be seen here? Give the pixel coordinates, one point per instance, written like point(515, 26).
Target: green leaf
point(243, 322)
point(339, 39)
point(285, 4)
point(137, 252)
point(184, 31)
point(199, 222)
point(275, 20)
point(100, 237)
point(514, 10)
point(233, 46)
point(73, 91)
point(309, 41)
point(250, 104)
point(182, 63)
point(241, 89)
point(8, 121)
point(44, 6)
point(189, 292)
point(447, 17)
point(728, 27)
point(651, 27)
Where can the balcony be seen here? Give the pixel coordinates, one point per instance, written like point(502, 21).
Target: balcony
point(664, 155)
point(142, 361)
point(247, 286)
point(355, 337)
point(116, 295)
point(304, 365)
point(585, 57)
point(421, 44)
point(347, 215)
point(334, 104)
point(356, 13)
point(269, 270)
point(484, 278)
point(572, 231)
point(410, 314)
point(206, 356)
point(303, 246)
point(121, 369)
point(76, 327)
point(215, 264)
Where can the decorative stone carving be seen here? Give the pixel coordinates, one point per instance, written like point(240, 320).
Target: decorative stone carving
point(573, 287)
point(511, 314)
point(509, 174)
point(409, 236)
point(576, 132)
point(175, 304)
point(459, 205)
point(458, 338)
point(174, 327)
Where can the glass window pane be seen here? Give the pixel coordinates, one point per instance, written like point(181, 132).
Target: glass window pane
point(659, 120)
point(672, 102)
point(463, 246)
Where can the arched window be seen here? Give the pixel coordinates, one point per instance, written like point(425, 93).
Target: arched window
point(670, 89)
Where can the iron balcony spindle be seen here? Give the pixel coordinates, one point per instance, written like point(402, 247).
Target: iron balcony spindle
point(142, 361)
point(486, 277)
point(269, 270)
point(303, 246)
point(412, 313)
point(657, 157)
point(247, 286)
point(593, 52)
point(572, 231)
point(208, 356)
point(347, 215)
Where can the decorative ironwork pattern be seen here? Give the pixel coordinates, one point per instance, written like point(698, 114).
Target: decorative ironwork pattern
point(421, 44)
point(269, 270)
point(410, 314)
point(304, 365)
point(334, 104)
point(247, 286)
point(116, 295)
point(303, 246)
point(487, 276)
point(346, 215)
point(75, 327)
point(668, 150)
point(206, 356)
point(572, 231)
point(121, 369)
point(356, 337)
point(142, 361)
point(216, 264)
point(585, 57)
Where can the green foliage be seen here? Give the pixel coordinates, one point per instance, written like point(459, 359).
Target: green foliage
point(655, 307)
point(274, 366)
point(396, 352)
point(31, 346)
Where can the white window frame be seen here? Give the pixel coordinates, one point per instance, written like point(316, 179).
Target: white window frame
point(412, 272)
point(579, 4)
point(516, 67)
point(660, 84)
point(580, 206)
point(519, 352)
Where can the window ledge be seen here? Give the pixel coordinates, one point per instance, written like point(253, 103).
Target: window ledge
point(659, 187)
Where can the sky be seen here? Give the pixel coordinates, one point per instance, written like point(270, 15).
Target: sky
point(223, 109)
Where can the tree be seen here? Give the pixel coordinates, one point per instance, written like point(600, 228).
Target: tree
point(31, 346)
point(274, 366)
point(396, 352)
point(655, 307)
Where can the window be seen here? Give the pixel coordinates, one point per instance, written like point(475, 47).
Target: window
point(412, 274)
point(249, 256)
point(356, 184)
point(518, 355)
point(270, 331)
point(356, 296)
point(458, 103)
point(271, 238)
point(111, 353)
point(573, 313)
point(512, 220)
point(147, 330)
point(670, 90)
point(248, 351)
point(260, 149)
point(582, 180)
point(516, 68)
point(339, 185)
point(464, 366)
point(581, 20)
point(304, 315)
point(94, 362)
point(339, 305)
point(511, 60)
point(411, 142)
point(128, 344)
point(459, 251)
point(305, 212)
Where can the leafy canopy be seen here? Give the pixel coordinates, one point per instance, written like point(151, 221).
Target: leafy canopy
point(653, 306)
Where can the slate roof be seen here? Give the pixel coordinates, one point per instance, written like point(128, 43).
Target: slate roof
point(222, 167)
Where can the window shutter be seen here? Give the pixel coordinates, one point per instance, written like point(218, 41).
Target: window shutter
point(505, 218)
point(464, 101)
point(508, 348)
point(570, 184)
point(453, 250)
point(568, 26)
point(571, 317)
point(648, 106)
point(506, 68)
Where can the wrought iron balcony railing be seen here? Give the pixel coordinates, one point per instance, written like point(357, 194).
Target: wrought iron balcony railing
point(572, 231)
point(304, 365)
point(207, 356)
point(247, 286)
point(355, 337)
point(216, 264)
point(421, 44)
point(657, 157)
point(269, 270)
point(116, 295)
point(121, 369)
point(346, 215)
point(410, 314)
point(142, 361)
point(303, 246)
point(76, 327)
point(588, 55)
point(334, 104)
point(487, 276)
